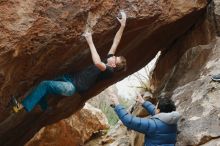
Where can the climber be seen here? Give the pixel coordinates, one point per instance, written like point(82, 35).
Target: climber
point(160, 129)
point(81, 81)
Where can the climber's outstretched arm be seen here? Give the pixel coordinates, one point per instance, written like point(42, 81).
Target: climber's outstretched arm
point(95, 56)
point(119, 33)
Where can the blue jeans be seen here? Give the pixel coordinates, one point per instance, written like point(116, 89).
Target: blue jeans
point(62, 85)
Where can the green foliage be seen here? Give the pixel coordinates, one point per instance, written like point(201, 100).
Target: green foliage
point(111, 116)
point(109, 111)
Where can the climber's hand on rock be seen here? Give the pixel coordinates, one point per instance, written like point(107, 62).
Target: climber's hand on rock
point(122, 20)
point(87, 34)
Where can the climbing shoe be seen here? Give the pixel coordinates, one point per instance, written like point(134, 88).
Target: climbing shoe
point(16, 105)
point(216, 78)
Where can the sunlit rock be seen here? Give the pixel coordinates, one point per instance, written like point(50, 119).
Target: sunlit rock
point(73, 131)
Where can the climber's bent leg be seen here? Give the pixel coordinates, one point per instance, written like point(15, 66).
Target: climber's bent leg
point(37, 95)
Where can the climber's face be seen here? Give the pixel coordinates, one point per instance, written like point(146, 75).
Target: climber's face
point(118, 63)
point(113, 61)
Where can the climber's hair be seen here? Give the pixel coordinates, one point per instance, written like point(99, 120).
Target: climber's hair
point(122, 66)
point(166, 105)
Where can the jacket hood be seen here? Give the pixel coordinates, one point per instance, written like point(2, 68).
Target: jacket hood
point(169, 118)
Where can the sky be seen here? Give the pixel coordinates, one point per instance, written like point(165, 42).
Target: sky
point(127, 87)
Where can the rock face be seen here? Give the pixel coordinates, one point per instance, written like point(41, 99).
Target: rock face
point(213, 143)
point(73, 131)
point(217, 15)
point(195, 94)
point(42, 39)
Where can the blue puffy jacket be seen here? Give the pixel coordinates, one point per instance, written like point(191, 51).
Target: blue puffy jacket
point(159, 130)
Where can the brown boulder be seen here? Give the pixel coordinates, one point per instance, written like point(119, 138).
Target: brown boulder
point(73, 131)
point(216, 8)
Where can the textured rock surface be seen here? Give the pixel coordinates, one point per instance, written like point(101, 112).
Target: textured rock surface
point(217, 15)
point(73, 131)
point(196, 96)
point(214, 142)
point(41, 39)
point(118, 136)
